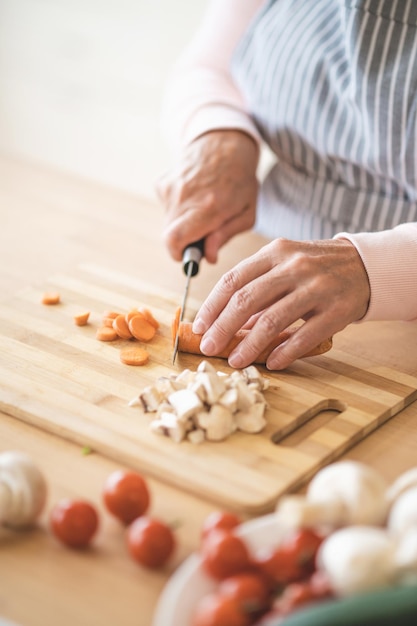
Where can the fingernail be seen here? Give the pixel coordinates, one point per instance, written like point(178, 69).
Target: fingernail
point(235, 359)
point(199, 326)
point(207, 346)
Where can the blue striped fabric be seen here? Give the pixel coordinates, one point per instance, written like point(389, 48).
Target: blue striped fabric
point(332, 87)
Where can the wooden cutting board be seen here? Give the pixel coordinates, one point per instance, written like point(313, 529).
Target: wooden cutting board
point(58, 377)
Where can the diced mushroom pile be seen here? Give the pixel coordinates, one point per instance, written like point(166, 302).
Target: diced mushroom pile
point(206, 404)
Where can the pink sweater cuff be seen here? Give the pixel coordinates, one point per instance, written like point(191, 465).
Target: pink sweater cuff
point(390, 259)
point(218, 117)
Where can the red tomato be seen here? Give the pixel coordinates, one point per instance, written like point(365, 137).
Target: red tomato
point(302, 593)
point(224, 554)
point(249, 589)
point(74, 522)
point(293, 559)
point(219, 519)
point(279, 566)
point(126, 495)
point(150, 542)
point(303, 543)
point(215, 609)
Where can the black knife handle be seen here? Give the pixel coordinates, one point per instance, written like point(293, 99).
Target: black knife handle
point(192, 255)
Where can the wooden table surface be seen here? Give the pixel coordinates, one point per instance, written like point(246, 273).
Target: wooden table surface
point(53, 222)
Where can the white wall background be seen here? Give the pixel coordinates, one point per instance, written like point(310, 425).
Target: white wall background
point(81, 83)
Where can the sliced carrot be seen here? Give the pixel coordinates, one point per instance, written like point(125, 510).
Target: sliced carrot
point(141, 329)
point(81, 319)
point(131, 314)
point(121, 327)
point(174, 328)
point(110, 314)
point(147, 314)
point(51, 297)
point(134, 355)
point(105, 333)
point(190, 342)
point(107, 321)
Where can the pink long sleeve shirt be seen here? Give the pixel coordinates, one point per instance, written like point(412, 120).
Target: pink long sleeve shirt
point(322, 108)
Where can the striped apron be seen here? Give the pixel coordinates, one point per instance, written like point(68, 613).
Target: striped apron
point(332, 88)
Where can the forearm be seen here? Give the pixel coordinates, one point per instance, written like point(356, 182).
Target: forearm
point(201, 95)
point(390, 259)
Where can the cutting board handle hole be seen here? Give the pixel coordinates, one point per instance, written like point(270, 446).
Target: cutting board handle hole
point(309, 421)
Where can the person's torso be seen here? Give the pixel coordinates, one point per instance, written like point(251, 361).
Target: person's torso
point(332, 87)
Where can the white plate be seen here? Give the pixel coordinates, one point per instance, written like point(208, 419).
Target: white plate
point(189, 583)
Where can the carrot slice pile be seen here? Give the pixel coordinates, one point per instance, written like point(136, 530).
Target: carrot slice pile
point(121, 327)
point(139, 324)
point(134, 355)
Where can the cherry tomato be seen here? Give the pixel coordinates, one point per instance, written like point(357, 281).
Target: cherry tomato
point(126, 495)
point(250, 590)
point(302, 593)
point(219, 519)
point(215, 609)
point(74, 522)
point(303, 543)
point(150, 541)
point(293, 559)
point(224, 554)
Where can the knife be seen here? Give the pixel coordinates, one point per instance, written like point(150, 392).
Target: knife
point(191, 258)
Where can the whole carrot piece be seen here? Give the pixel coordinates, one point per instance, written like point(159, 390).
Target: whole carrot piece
point(190, 342)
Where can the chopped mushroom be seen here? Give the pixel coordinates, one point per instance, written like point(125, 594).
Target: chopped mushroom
point(185, 403)
point(219, 424)
point(206, 404)
point(252, 420)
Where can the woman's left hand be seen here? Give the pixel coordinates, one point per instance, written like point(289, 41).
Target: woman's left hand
point(322, 282)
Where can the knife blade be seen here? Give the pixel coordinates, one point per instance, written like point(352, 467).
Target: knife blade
point(191, 258)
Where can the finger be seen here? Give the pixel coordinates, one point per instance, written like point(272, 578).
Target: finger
point(309, 335)
point(190, 225)
point(269, 324)
point(251, 321)
point(230, 284)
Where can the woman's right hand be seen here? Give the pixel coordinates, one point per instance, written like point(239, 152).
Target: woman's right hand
point(211, 193)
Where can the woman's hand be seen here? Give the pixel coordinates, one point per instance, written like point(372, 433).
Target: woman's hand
point(212, 193)
point(322, 282)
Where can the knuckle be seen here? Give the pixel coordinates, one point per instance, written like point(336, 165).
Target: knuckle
point(230, 281)
point(243, 300)
point(268, 323)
